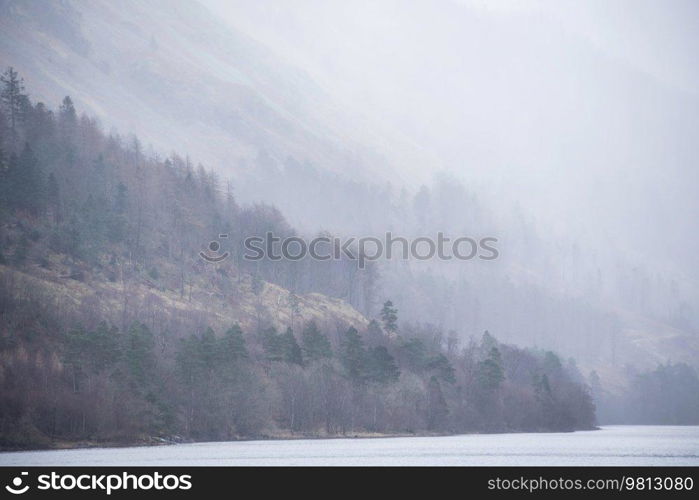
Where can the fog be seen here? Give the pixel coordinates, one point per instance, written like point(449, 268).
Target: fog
point(580, 116)
point(584, 112)
point(567, 130)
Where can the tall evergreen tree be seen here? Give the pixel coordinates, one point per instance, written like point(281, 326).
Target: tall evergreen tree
point(290, 348)
point(139, 355)
point(25, 183)
point(374, 333)
point(389, 317)
point(315, 344)
point(414, 354)
point(442, 369)
point(12, 99)
point(381, 367)
point(353, 355)
point(490, 371)
point(67, 124)
point(272, 344)
point(232, 345)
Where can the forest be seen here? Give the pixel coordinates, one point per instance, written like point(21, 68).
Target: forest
point(102, 209)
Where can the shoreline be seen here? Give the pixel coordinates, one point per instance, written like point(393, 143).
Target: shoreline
point(170, 441)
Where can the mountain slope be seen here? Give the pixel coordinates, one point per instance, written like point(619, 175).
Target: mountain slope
point(92, 297)
point(199, 87)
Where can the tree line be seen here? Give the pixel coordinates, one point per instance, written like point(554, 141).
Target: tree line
point(105, 384)
point(665, 395)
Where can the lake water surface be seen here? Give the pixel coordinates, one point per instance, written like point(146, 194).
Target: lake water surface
point(612, 445)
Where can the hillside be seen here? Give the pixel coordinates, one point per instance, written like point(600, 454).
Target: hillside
point(200, 88)
point(113, 327)
point(81, 292)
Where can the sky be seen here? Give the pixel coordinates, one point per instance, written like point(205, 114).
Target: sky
point(583, 112)
point(658, 37)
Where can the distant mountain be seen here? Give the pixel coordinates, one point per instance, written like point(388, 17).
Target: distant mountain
point(199, 87)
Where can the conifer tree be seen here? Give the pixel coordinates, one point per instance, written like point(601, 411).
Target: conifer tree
point(25, 183)
point(12, 99)
point(290, 348)
point(353, 355)
point(315, 344)
point(381, 367)
point(389, 317)
point(232, 345)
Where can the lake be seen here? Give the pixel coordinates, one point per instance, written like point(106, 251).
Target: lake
point(612, 445)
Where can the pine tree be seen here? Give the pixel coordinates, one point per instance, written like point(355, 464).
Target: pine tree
point(441, 367)
point(25, 183)
point(232, 345)
point(487, 342)
point(490, 371)
point(389, 316)
point(104, 348)
point(139, 355)
point(353, 355)
point(381, 367)
point(209, 349)
point(272, 344)
point(316, 345)
point(94, 227)
point(188, 361)
point(290, 348)
point(67, 122)
point(374, 333)
point(66, 113)
point(12, 98)
point(414, 355)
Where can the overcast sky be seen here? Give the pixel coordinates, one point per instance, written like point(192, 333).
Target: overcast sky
point(586, 112)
